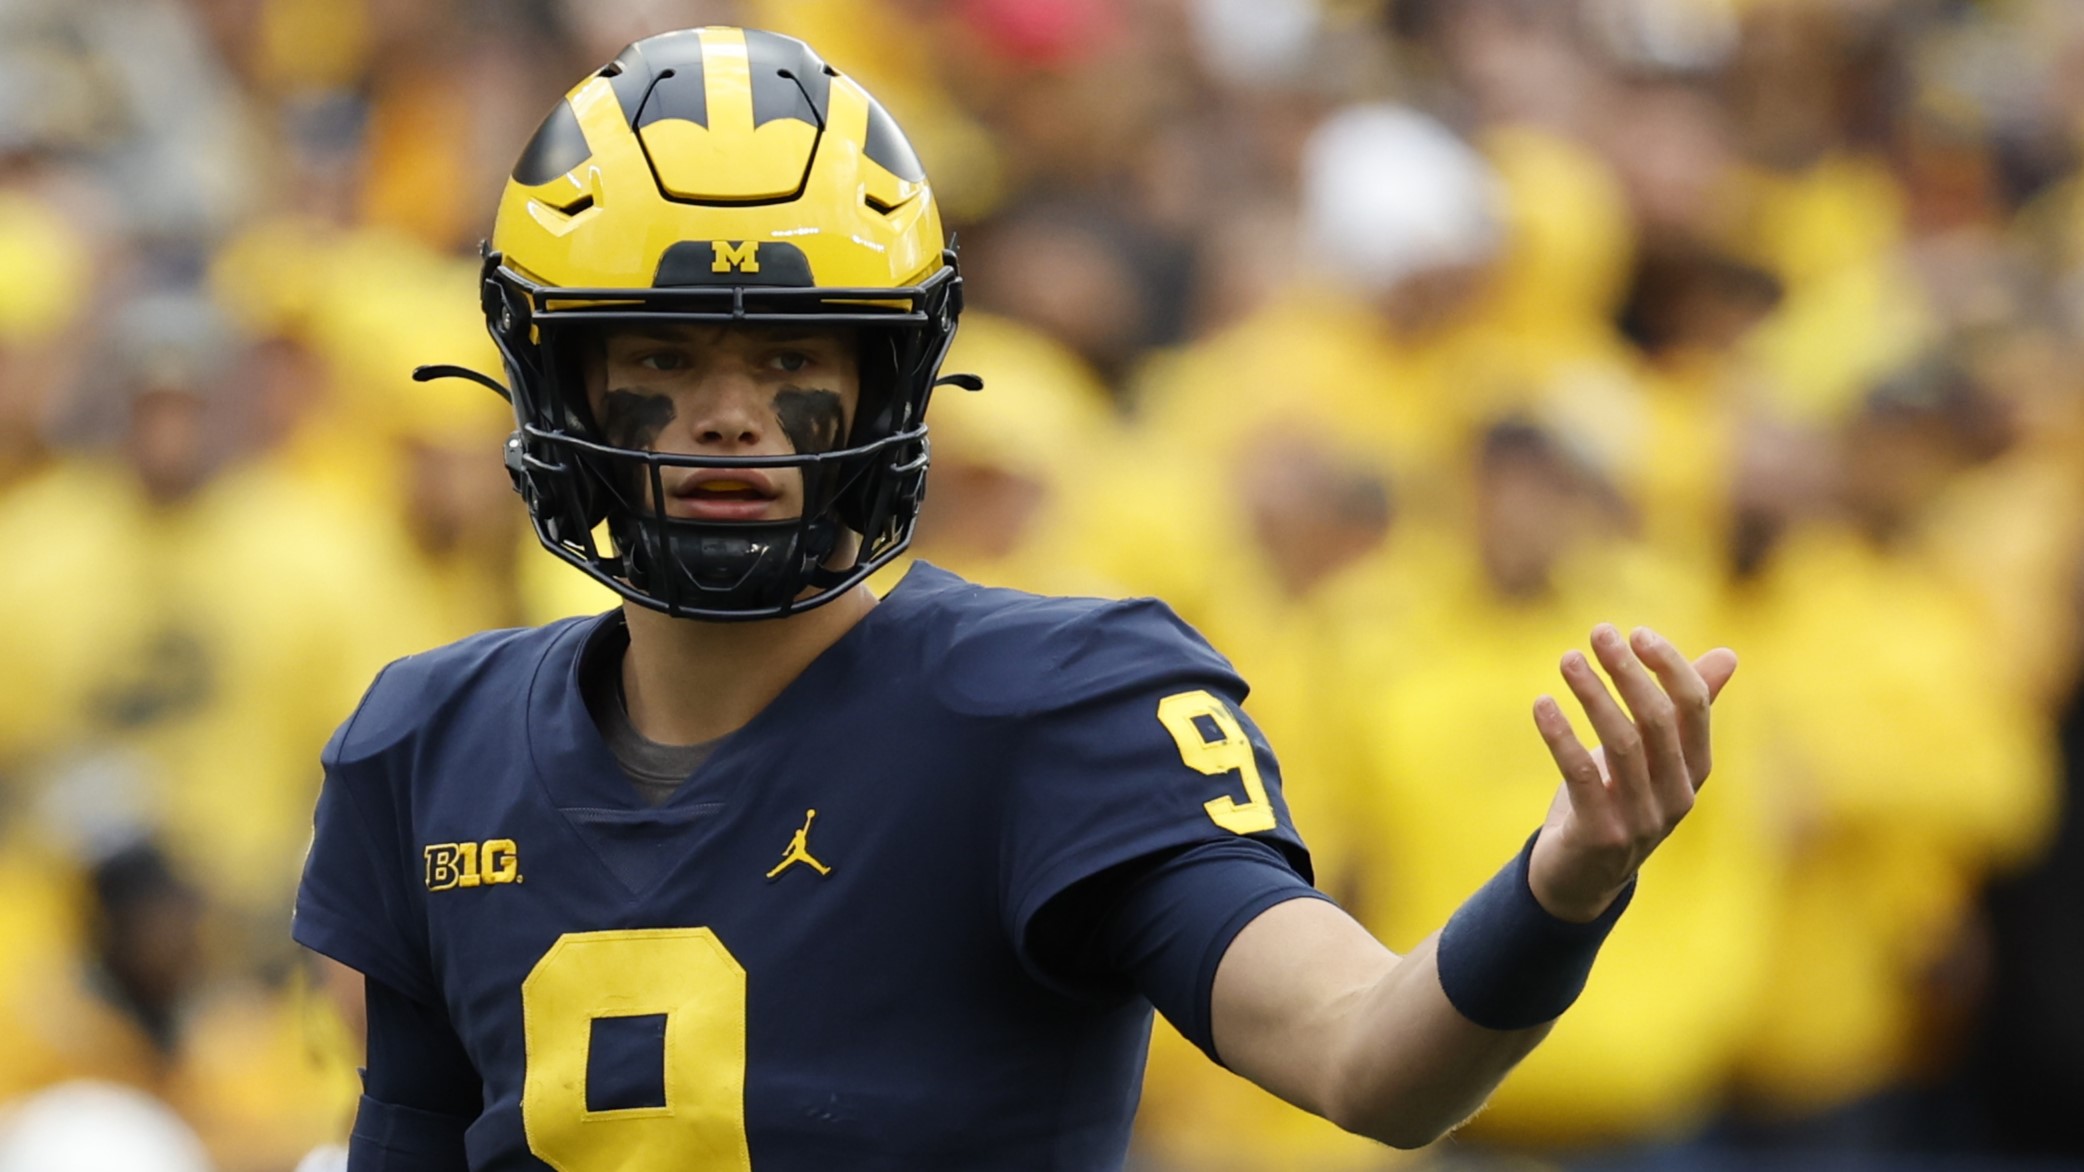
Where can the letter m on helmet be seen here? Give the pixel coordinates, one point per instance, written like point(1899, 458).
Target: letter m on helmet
point(742, 255)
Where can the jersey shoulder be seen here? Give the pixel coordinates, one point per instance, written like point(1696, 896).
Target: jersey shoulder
point(430, 688)
point(362, 899)
point(1000, 652)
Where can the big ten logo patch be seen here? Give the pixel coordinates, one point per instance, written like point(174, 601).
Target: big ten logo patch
point(472, 864)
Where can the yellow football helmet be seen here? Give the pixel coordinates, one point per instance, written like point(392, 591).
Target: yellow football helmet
point(719, 175)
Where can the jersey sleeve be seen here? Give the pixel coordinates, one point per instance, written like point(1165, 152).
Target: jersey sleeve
point(359, 901)
point(1139, 749)
point(1165, 928)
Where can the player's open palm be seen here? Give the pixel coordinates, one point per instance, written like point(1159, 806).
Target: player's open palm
point(1622, 798)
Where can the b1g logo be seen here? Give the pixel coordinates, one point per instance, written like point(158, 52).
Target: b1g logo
point(473, 864)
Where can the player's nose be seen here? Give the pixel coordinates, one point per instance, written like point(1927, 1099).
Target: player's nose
point(731, 413)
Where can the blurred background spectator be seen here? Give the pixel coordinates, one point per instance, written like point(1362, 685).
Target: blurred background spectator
point(1394, 342)
point(96, 1127)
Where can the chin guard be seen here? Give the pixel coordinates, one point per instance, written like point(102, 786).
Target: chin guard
point(725, 565)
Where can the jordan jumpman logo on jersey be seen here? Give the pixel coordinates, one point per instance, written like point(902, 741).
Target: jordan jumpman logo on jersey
point(799, 851)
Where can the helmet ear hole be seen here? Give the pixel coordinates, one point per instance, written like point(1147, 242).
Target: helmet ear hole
point(879, 415)
point(875, 416)
point(569, 355)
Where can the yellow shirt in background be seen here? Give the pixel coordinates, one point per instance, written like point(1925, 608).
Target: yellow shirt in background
point(207, 648)
point(63, 603)
point(1905, 769)
point(1852, 314)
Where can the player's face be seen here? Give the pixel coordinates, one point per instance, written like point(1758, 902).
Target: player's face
point(695, 390)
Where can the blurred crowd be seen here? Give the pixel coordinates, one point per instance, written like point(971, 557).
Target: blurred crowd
point(1394, 342)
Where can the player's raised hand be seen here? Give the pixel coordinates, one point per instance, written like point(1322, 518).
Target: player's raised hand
point(1621, 799)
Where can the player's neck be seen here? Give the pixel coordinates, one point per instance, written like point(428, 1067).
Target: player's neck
point(688, 682)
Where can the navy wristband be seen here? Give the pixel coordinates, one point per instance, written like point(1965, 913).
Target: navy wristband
point(1506, 963)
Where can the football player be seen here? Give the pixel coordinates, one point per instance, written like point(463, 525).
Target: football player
point(761, 872)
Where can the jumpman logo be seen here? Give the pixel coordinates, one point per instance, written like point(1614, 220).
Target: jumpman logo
point(799, 851)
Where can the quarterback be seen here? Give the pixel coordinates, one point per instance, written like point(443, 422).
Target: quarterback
point(759, 871)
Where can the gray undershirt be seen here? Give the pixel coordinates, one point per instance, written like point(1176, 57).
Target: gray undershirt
point(657, 770)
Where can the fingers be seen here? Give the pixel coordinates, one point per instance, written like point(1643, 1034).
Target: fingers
point(1689, 697)
point(1655, 718)
point(1715, 668)
point(1581, 775)
point(1657, 751)
point(1620, 800)
point(1627, 763)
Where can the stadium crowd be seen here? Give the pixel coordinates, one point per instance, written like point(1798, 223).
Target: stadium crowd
point(1393, 342)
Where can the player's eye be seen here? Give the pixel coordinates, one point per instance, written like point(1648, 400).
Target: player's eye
point(663, 360)
point(790, 361)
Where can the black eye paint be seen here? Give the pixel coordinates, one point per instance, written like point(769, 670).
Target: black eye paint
point(632, 417)
point(810, 417)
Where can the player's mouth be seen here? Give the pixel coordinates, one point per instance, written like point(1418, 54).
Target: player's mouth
point(738, 494)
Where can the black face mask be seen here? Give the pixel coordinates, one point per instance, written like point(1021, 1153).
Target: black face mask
point(573, 480)
point(725, 565)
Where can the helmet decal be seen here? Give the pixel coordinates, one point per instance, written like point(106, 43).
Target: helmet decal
point(885, 145)
point(557, 149)
point(701, 129)
point(733, 262)
point(789, 81)
point(681, 92)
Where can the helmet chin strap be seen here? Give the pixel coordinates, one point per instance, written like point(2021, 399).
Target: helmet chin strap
point(749, 565)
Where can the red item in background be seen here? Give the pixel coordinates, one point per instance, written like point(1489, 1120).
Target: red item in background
point(1042, 32)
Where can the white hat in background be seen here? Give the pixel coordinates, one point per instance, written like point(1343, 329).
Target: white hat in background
point(96, 1127)
point(1388, 192)
point(1257, 42)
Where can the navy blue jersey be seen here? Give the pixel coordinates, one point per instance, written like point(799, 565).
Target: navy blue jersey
point(817, 953)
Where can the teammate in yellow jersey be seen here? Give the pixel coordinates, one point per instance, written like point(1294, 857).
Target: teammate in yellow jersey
point(722, 293)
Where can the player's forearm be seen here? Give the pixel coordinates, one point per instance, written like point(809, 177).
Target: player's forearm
point(1402, 1049)
point(1310, 1006)
point(1438, 1031)
point(1411, 1068)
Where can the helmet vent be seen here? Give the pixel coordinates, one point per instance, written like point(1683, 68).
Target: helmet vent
point(788, 79)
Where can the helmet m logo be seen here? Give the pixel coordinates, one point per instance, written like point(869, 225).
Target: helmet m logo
point(735, 255)
point(733, 262)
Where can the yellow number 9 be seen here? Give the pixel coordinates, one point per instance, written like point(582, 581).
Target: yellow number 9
point(685, 974)
point(1230, 754)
